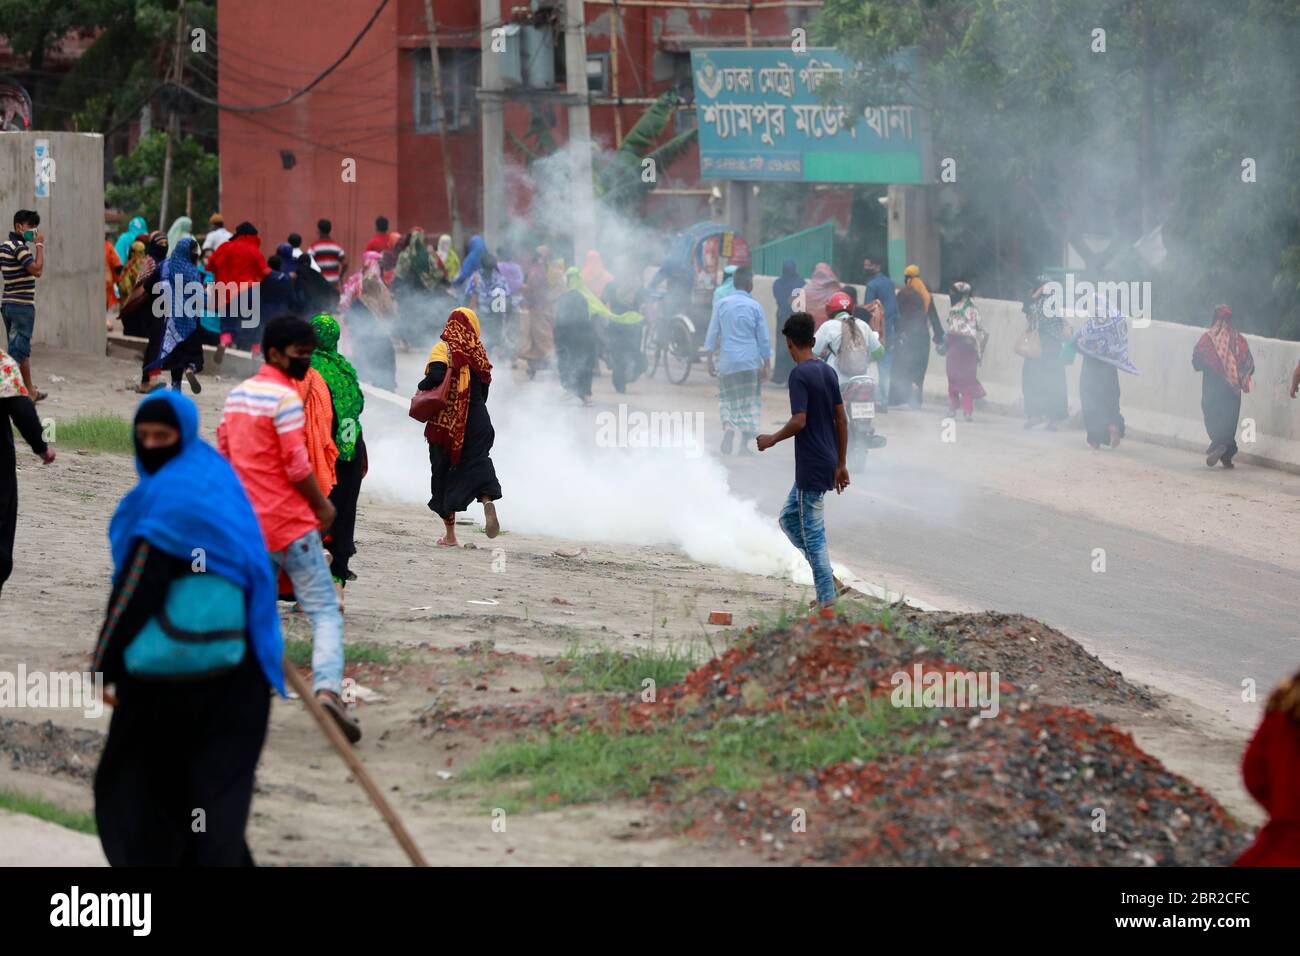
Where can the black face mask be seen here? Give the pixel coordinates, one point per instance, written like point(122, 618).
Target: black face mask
point(151, 459)
point(297, 367)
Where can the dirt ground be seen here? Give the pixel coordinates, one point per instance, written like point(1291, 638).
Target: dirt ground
point(472, 627)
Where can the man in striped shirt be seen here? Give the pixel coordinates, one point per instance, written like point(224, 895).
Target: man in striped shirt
point(19, 270)
point(328, 254)
point(261, 435)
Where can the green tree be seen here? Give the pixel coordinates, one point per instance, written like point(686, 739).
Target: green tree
point(137, 189)
point(1055, 138)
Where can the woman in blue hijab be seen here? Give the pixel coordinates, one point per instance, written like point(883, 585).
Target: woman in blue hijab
point(473, 254)
point(185, 295)
point(191, 641)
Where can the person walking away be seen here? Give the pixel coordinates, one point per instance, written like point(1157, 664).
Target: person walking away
point(379, 241)
point(217, 235)
point(238, 267)
point(540, 293)
point(740, 355)
point(348, 402)
point(16, 411)
point(328, 254)
point(575, 342)
point(279, 293)
point(783, 289)
point(594, 274)
point(143, 316)
point(313, 292)
point(1042, 379)
point(137, 230)
point(624, 333)
point(1222, 356)
point(192, 650)
point(474, 252)
point(19, 270)
point(113, 266)
point(182, 297)
point(1103, 340)
point(417, 284)
point(845, 342)
point(1271, 771)
point(261, 435)
point(460, 437)
point(965, 341)
point(488, 294)
point(916, 310)
point(880, 288)
point(821, 441)
point(368, 321)
point(447, 255)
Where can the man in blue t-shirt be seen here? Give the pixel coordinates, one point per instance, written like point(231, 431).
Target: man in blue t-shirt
point(821, 438)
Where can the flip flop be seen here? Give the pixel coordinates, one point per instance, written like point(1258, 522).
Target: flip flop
point(38, 395)
point(193, 380)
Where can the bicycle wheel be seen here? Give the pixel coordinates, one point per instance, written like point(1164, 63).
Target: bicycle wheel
point(679, 356)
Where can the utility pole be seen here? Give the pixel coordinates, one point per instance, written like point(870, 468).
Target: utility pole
point(492, 114)
point(174, 120)
point(575, 75)
point(447, 174)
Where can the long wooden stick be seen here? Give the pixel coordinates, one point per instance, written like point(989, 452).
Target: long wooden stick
point(331, 730)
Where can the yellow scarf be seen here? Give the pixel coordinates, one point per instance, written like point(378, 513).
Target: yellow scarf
point(441, 352)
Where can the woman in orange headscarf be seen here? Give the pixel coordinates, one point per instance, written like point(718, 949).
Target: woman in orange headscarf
point(594, 274)
point(460, 437)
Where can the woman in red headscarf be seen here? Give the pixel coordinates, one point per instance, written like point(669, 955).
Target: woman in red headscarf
point(460, 437)
point(1271, 771)
point(1223, 357)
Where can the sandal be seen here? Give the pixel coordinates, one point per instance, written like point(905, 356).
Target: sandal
point(333, 706)
point(193, 379)
point(37, 395)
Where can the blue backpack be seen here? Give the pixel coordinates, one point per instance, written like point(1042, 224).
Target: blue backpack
point(199, 633)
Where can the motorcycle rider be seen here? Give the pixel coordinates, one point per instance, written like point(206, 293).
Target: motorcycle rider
point(846, 343)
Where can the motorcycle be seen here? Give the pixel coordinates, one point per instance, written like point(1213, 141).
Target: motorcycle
point(860, 402)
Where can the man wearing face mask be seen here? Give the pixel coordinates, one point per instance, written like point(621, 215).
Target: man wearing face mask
point(262, 435)
point(19, 270)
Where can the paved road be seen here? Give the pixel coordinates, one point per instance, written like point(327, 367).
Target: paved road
point(1198, 592)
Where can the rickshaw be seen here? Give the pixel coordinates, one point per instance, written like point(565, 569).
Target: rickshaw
point(681, 296)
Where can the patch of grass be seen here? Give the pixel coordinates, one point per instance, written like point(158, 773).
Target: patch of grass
point(44, 810)
point(354, 652)
point(737, 752)
point(606, 669)
point(111, 433)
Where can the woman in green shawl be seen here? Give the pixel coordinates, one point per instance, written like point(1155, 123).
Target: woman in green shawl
point(350, 468)
point(417, 266)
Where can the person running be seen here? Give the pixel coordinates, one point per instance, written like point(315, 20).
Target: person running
point(217, 235)
point(740, 355)
point(239, 267)
point(183, 293)
point(460, 437)
point(821, 440)
point(191, 642)
point(575, 342)
point(262, 435)
point(328, 254)
point(350, 467)
point(19, 270)
point(1223, 357)
point(964, 343)
point(379, 241)
point(16, 411)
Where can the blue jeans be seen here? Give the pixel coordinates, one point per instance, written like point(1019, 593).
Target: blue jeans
point(305, 563)
point(20, 319)
point(803, 521)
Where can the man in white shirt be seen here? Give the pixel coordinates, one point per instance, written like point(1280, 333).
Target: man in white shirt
point(837, 345)
point(217, 234)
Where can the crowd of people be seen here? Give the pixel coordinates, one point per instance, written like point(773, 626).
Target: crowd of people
point(283, 482)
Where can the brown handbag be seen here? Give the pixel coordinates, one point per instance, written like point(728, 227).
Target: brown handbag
point(428, 404)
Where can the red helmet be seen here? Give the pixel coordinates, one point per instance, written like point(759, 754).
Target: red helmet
point(839, 302)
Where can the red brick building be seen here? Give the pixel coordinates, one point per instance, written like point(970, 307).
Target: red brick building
point(283, 168)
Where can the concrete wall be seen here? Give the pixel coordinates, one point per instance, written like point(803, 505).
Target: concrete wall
point(1163, 404)
point(70, 295)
